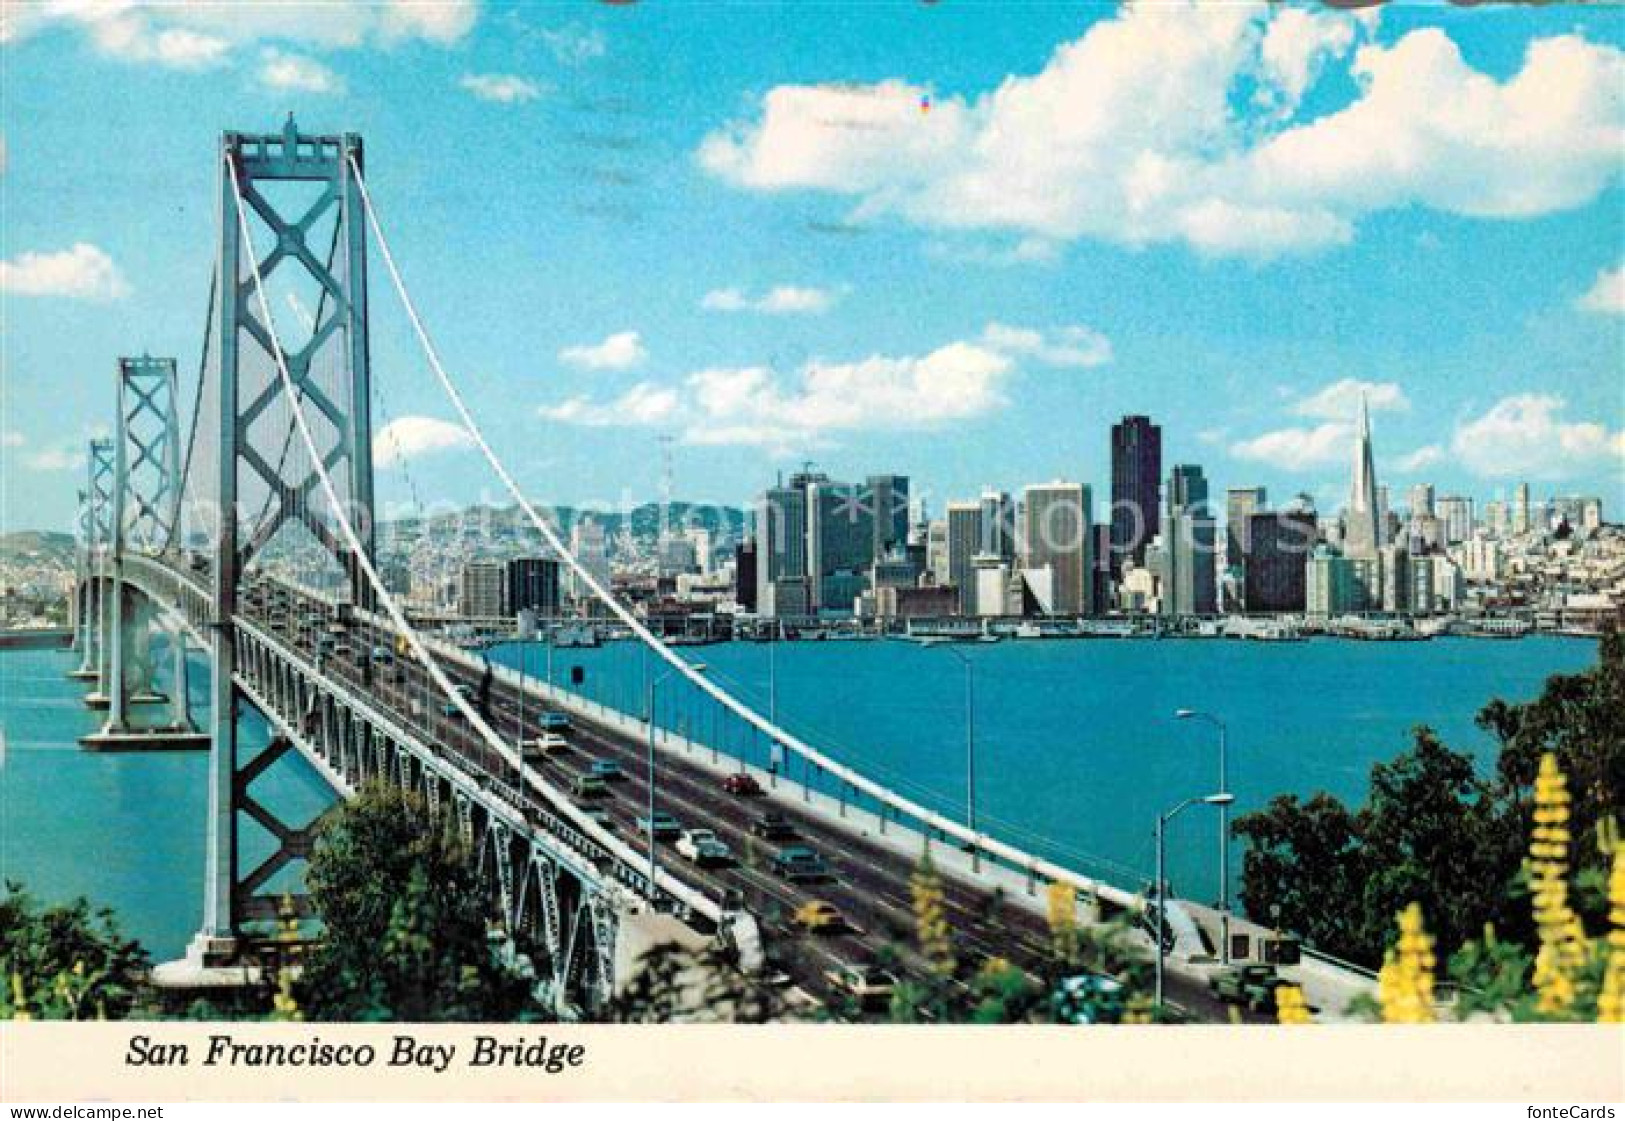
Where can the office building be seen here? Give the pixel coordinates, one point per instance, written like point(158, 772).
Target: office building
point(1241, 503)
point(840, 543)
point(964, 542)
point(1363, 530)
point(890, 509)
point(590, 545)
point(745, 575)
point(1188, 582)
point(1274, 571)
point(1056, 535)
point(1455, 514)
point(998, 525)
point(1136, 488)
point(480, 589)
point(1521, 515)
point(781, 548)
point(1421, 500)
point(533, 585)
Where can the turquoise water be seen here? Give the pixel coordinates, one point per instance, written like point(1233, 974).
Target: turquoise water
point(1076, 747)
point(125, 830)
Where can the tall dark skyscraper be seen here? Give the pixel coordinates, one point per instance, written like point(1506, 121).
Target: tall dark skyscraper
point(1136, 488)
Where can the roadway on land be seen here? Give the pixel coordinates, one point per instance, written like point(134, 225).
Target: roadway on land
point(870, 884)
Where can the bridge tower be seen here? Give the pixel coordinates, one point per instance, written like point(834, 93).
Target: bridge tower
point(301, 196)
point(95, 507)
point(145, 507)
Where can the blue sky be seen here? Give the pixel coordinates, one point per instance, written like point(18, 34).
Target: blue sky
point(954, 241)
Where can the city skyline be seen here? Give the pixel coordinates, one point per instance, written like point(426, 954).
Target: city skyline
point(949, 339)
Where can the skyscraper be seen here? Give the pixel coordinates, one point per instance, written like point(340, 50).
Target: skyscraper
point(1455, 512)
point(1055, 534)
point(479, 589)
point(781, 548)
point(1520, 509)
point(1241, 503)
point(1362, 531)
point(1275, 570)
point(964, 544)
point(840, 543)
point(888, 495)
point(1189, 584)
point(998, 525)
point(1136, 488)
point(591, 547)
point(533, 585)
point(1422, 500)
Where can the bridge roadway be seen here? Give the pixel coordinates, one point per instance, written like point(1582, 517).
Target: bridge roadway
point(871, 884)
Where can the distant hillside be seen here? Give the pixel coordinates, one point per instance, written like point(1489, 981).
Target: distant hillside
point(724, 522)
point(35, 547)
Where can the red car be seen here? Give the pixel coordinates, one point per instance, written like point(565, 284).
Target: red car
point(742, 785)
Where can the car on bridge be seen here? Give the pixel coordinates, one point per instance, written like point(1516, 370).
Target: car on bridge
point(742, 784)
point(869, 985)
point(544, 746)
point(800, 865)
point(597, 813)
point(819, 916)
point(1241, 984)
point(554, 722)
point(772, 826)
point(589, 786)
point(661, 824)
point(607, 769)
point(703, 846)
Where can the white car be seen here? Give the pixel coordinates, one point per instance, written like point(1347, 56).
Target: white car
point(703, 847)
point(545, 745)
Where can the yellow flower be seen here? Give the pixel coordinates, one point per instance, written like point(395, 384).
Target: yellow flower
point(931, 919)
point(1611, 1000)
point(1563, 945)
point(1290, 1007)
point(1405, 983)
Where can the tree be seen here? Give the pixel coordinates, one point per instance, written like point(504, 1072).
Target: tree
point(66, 962)
point(1304, 869)
point(404, 917)
point(1437, 831)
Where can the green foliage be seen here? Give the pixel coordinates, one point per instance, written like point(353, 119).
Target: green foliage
point(406, 937)
point(1435, 831)
point(66, 962)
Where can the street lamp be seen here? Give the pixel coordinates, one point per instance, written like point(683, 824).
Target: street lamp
point(970, 746)
point(1224, 829)
point(654, 683)
point(1221, 799)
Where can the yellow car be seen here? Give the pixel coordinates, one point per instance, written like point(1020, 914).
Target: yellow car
point(819, 917)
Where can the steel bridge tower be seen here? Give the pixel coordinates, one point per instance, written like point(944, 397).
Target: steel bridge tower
point(144, 515)
point(95, 506)
point(295, 185)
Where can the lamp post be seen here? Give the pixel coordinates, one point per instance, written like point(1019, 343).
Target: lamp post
point(1224, 828)
point(654, 683)
point(1221, 799)
point(970, 746)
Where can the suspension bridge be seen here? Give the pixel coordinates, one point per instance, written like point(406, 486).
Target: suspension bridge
point(242, 527)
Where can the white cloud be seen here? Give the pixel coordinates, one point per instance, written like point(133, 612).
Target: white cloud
point(192, 36)
point(1341, 399)
point(1298, 448)
point(62, 458)
point(12, 439)
point(753, 405)
point(1422, 458)
point(410, 437)
point(574, 46)
point(643, 404)
point(1607, 294)
point(619, 351)
point(1128, 135)
point(785, 299)
point(280, 70)
point(83, 272)
point(1526, 436)
point(504, 88)
point(1076, 347)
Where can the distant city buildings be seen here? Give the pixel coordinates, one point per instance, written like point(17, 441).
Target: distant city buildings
point(1136, 446)
point(1056, 540)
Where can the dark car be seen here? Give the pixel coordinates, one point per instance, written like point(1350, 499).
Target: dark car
point(607, 769)
point(742, 785)
point(800, 864)
point(1235, 985)
point(773, 826)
